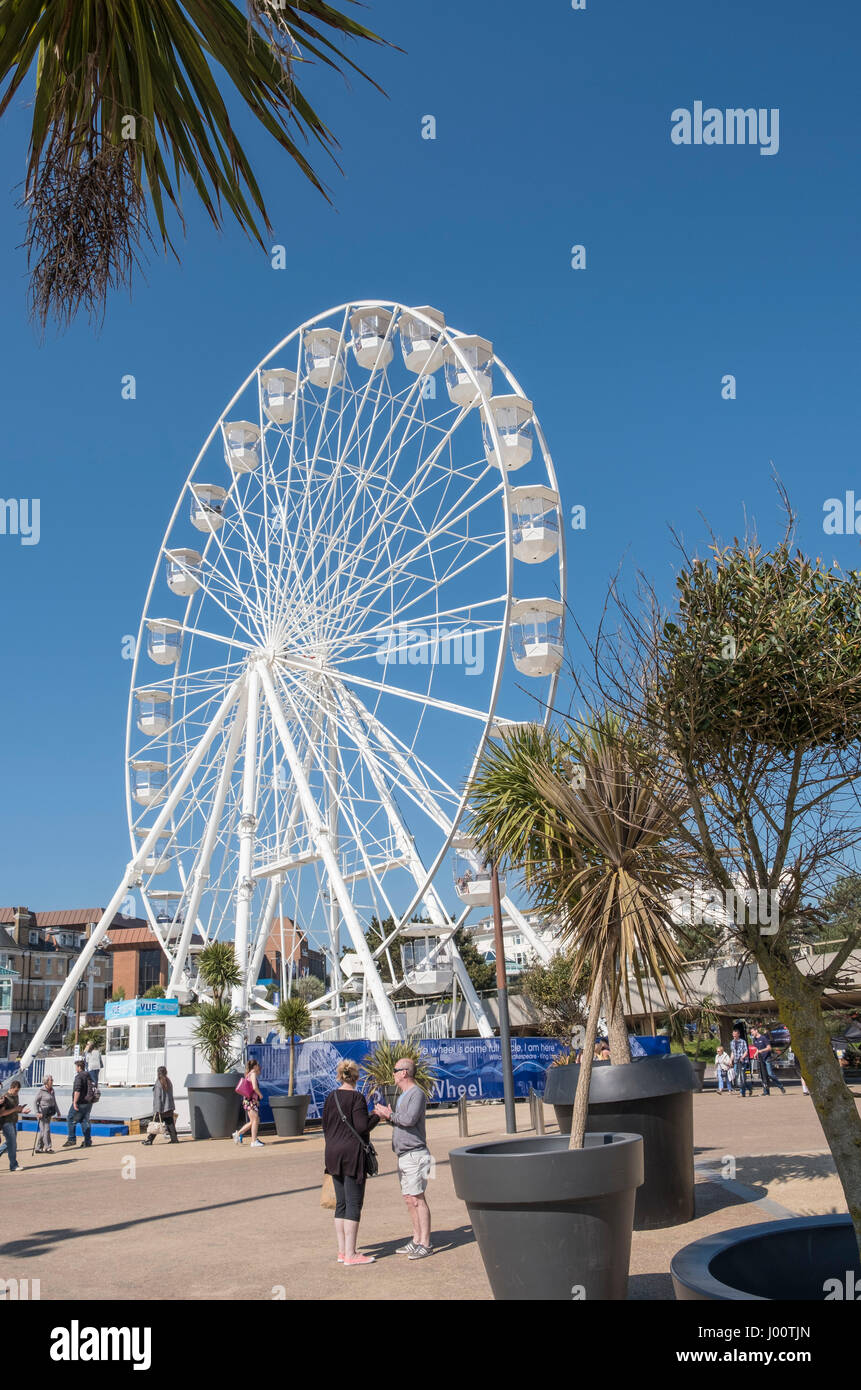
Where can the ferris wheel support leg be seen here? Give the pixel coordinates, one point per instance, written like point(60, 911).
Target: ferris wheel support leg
point(200, 873)
point(110, 912)
point(247, 827)
point(332, 797)
point(263, 926)
point(320, 835)
point(406, 845)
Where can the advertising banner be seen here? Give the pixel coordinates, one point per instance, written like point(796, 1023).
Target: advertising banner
point(470, 1067)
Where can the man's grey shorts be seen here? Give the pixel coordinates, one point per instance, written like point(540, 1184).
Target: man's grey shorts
point(414, 1170)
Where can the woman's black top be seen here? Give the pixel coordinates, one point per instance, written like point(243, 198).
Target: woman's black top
point(345, 1157)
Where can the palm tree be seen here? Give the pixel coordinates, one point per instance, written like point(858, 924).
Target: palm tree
point(597, 852)
point(217, 1023)
point(128, 106)
point(294, 1019)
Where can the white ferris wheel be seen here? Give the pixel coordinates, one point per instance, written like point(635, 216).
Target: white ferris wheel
point(362, 573)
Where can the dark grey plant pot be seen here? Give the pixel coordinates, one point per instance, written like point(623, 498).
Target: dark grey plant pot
point(213, 1105)
point(699, 1070)
point(289, 1113)
point(552, 1223)
point(652, 1097)
point(772, 1260)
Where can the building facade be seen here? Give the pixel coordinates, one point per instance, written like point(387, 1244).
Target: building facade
point(293, 944)
point(41, 949)
point(518, 951)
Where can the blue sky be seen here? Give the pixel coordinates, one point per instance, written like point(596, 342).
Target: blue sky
point(553, 129)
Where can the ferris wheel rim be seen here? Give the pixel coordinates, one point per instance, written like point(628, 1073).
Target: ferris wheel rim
point(451, 336)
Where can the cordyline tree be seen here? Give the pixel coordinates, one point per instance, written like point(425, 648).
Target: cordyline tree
point(598, 852)
point(745, 705)
point(129, 102)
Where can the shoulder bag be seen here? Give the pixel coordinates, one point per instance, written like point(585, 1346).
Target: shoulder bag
point(372, 1162)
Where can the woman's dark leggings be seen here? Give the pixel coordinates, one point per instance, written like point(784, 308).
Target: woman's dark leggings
point(350, 1194)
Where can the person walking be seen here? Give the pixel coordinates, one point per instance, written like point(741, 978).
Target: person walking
point(762, 1041)
point(10, 1109)
point(409, 1142)
point(739, 1053)
point(162, 1106)
point(93, 1061)
point(46, 1107)
point(83, 1095)
point(249, 1090)
point(346, 1130)
point(723, 1070)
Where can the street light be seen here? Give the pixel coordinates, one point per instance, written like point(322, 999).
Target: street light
point(502, 997)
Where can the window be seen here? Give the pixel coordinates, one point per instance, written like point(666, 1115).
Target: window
point(37, 965)
point(155, 1035)
point(5, 995)
point(118, 1038)
point(149, 969)
point(34, 938)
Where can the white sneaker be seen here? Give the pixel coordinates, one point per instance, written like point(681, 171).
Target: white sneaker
point(257, 1145)
point(236, 1137)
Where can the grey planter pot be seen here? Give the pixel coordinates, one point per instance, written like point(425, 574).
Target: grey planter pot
point(772, 1260)
point(699, 1070)
point(653, 1098)
point(289, 1113)
point(552, 1223)
point(213, 1105)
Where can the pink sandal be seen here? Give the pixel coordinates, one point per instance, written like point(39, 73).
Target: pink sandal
point(359, 1260)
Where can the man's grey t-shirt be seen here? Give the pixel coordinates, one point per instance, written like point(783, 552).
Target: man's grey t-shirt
point(409, 1121)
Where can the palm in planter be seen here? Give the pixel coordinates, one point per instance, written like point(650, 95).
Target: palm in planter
point(217, 1022)
point(378, 1067)
point(294, 1019)
point(213, 1104)
point(596, 850)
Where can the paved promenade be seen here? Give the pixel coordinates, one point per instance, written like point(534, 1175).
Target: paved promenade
point(213, 1221)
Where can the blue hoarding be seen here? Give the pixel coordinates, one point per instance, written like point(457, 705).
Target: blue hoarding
point(470, 1067)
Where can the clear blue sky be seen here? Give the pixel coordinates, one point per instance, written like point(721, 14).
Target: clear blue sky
point(553, 128)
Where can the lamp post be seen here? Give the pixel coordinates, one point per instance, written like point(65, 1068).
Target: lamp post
point(79, 994)
point(502, 997)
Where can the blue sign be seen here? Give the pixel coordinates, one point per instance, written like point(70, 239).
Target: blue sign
point(141, 1008)
point(470, 1067)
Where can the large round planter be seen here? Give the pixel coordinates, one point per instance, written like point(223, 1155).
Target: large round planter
point(652, 1097)
point(772, 1260)
point(213, 1105)
point(699, 1071)
point(552, 1222)
point(289, 1113)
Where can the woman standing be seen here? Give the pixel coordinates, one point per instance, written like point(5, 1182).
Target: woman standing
point(162, 1105)
point(249, 1089)
point(46, 1107)
point(346, 1129)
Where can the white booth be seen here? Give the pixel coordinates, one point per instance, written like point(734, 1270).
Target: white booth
point(143, 1035)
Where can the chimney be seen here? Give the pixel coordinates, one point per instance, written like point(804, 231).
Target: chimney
point(25, 921)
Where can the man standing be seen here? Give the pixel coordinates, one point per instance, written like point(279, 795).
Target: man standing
point(764, 1054)
point(409, 1142)
point(10, 1109)
point(82, 1103)
point(93, 1061)
point(739, 1052)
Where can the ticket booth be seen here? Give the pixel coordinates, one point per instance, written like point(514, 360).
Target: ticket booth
point(141, 1035)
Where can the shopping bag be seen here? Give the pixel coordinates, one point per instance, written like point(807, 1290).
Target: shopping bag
point(328, 1200)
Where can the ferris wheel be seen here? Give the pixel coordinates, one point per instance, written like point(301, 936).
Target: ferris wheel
point(362, 575)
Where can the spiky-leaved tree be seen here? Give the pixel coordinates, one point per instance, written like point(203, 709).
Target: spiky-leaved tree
point(294, 1019)
point(130, 102)
point(597, 852)
point(218, 1025)
point(747, 702)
